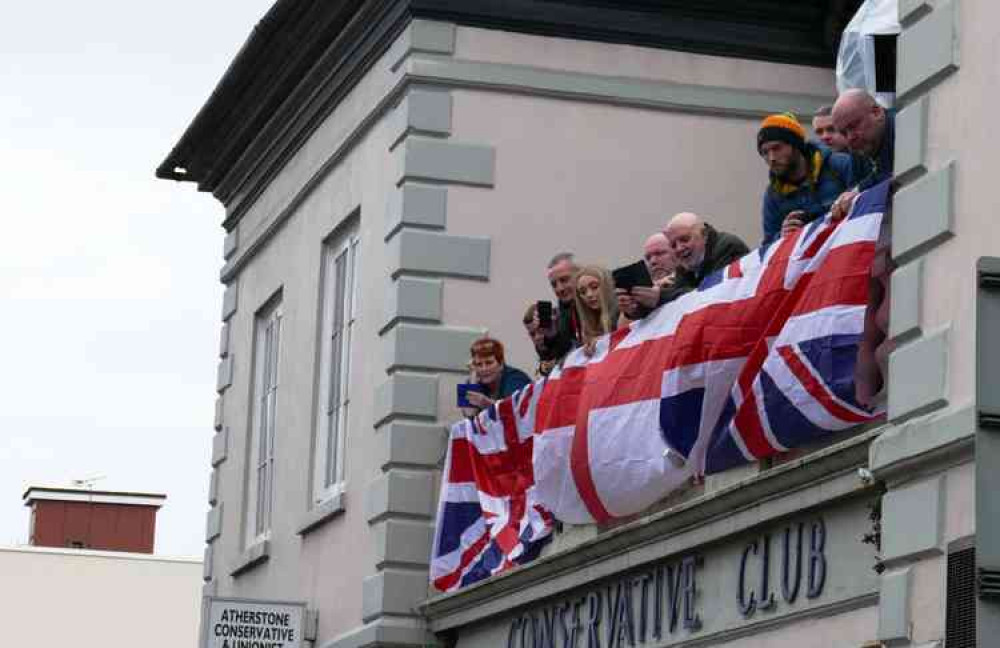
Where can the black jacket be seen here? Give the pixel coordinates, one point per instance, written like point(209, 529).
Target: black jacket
point(721, 249)
point(566, 337)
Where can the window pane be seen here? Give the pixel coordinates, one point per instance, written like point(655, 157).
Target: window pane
point(333, 436)
point(333, 395)
point(339, 283)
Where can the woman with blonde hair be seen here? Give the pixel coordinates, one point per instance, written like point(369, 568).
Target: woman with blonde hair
point(595, 305)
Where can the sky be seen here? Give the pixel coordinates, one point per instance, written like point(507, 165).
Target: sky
point(109, 290)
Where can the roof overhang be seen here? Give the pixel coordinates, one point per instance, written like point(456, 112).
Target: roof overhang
point(37, 493)
point(299, 42)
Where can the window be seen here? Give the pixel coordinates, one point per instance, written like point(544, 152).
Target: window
point(339, 283)
point(267, 337)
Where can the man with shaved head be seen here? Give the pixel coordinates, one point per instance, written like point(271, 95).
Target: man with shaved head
point(870, 132)
point(700, 250)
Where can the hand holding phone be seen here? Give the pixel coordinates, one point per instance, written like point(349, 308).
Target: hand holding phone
point(462, 392)
point(628, 277)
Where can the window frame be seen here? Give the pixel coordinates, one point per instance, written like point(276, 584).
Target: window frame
point(263, 421)
point(338, 317)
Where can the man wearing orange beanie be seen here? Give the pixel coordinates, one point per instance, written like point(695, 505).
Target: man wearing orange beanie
point(804, 181)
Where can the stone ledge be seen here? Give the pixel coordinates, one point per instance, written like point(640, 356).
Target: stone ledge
point(417, 205)
point(924, 214)
point(231, 243)
point(923, 443)
point(220, 447)
point(912, 10)
point(406, 445)
point(320, 514)
point(926, 357)
point(207, 563)
point(393, 591)
point(386, 631)
point(913, 521)
point(906, 298)
point(217, 423)
point(406, 395)
point(224, 374)
point(403, 543)
point(424, 36)
point(894, 606)
point(414, 299)
point(213, 523)
point(230, 301)
point(401, 494)
point(421, 112)
point(445, 161)
point(928, 51)
point(430, 253)
point(256, 554)
point(213, 488)
point(911, 140)
point(430, 348)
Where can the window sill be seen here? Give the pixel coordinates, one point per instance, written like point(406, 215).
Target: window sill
point(321, 514)
point(256, 554)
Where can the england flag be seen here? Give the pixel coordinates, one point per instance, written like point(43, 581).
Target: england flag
point(763, 357)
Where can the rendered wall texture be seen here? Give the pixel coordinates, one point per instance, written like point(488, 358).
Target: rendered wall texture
point(89, 598)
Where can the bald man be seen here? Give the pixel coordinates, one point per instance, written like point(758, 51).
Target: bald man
point(700, 250)
point(870, 131)
point(660, 262)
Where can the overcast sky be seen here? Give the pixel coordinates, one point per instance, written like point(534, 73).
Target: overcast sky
point(109, 293)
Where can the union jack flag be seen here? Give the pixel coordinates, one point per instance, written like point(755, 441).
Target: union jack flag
point(489, 518)
point(763, 357)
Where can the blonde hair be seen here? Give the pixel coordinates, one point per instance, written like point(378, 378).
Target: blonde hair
point(594, 325)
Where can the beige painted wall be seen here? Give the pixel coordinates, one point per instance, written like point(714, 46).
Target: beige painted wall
point(52, 598)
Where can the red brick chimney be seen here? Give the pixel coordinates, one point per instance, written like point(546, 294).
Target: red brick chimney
point(92, 519)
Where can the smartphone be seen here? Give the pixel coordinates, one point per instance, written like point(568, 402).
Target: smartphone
point(463, 389)
point(632, 275)
point(544, 314)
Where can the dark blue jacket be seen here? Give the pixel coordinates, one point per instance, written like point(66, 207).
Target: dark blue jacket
point(511, 380)
point(830, 174)
point(879, 167)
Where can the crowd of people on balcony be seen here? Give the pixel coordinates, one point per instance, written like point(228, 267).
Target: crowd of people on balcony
point(807, 178)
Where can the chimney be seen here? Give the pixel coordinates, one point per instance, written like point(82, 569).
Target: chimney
point(92, 519)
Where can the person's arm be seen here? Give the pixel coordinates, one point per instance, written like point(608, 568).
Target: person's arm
point(675, 290)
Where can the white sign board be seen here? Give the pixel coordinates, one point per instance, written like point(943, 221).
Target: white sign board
point(246, 623)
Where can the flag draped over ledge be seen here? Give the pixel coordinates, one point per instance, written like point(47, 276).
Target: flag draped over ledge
point(764, 356)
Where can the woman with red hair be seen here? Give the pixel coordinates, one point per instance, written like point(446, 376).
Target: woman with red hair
point(495, 379)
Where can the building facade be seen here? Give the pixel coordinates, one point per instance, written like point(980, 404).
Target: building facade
point(88, 576)
point(87, 519)
point(83, 597)
point(395, 177)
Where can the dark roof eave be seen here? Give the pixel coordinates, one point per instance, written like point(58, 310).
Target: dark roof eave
point(287, 42)
point(225, 93)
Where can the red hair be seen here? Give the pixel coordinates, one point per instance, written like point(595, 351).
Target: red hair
point(487, 347)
